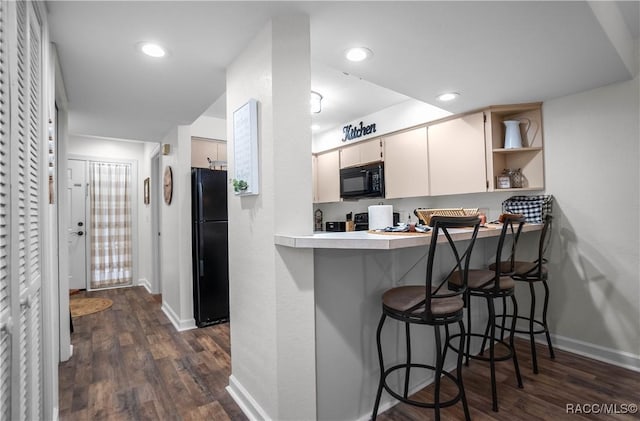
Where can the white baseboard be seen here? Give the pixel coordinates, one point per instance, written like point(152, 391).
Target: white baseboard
point(596, 352)
point(245, 401)
point(179, 324)
point(145, 283)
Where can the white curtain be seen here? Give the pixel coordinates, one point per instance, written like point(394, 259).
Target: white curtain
point(111, 259)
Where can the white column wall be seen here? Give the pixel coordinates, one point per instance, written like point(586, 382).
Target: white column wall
point(271, 289)
point(175, 232)
point(293, 194)
point(182, 200)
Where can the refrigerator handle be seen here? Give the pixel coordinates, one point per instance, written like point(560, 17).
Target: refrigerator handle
point(200, 211)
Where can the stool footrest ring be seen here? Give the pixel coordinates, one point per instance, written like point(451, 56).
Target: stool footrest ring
point(480, 356)
point(401, 398)
point(535, 332)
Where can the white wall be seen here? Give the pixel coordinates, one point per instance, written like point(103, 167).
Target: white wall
point(491, 203)
point(210, 128)
point(591, 161)
point(271, 288)
point(106, 148)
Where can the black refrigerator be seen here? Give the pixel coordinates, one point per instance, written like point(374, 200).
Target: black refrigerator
point(210, 246)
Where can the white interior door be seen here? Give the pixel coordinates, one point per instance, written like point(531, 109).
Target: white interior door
point(77, 224)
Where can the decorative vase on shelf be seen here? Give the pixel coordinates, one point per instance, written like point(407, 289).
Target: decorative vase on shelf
point(512, 138)
point(516, 178)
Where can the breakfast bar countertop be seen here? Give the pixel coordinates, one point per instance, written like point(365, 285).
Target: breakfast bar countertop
point(367, 240)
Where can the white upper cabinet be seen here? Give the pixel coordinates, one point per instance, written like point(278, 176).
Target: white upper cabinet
point(406, 164)
point(457, 156)
point(361, 153)
point(326, 170)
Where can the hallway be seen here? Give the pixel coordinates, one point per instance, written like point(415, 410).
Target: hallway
point(129, 363)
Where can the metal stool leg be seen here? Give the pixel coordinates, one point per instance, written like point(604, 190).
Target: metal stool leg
point(544, 318)
point(380, 385)
point(446, 343)
point(408, 369)
point(532, 314)
point(438, 371)
point(484, 337)
point(467, 297)
point(504, 317)
point(463, 397)
point(492, 362)
point(512, 342)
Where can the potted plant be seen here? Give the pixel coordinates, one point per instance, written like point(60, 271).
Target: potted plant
point(239, 186)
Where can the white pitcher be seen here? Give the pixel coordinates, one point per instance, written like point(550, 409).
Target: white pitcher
point(512, 138)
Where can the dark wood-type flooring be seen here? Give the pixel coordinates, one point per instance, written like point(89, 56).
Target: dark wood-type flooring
point(129, 363)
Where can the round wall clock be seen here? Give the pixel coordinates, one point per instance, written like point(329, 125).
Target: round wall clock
point(168, 185)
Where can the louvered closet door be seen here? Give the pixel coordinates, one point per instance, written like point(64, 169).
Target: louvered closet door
point(26, 98)
point(5, 288)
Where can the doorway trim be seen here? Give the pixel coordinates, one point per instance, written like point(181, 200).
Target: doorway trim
point(66, 229)
point(134, 214)
point(156, 273)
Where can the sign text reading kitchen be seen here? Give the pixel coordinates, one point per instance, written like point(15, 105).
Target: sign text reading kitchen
point(354, 132)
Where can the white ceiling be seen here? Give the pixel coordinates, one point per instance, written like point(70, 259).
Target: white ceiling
point(489, 52)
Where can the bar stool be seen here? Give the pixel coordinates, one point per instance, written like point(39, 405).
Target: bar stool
point(430, 304)
point(532, 273)
point(491, 284)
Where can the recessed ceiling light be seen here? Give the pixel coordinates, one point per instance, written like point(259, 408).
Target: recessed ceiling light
point(152, 50)
point(448, 96)
point(358, 54)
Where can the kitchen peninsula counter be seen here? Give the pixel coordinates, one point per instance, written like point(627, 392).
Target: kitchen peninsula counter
point(367, 240)
point(351, 272)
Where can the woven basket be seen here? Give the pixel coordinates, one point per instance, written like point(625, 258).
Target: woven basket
point(426, 214)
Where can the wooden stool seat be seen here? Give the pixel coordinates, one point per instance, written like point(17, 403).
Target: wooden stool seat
point(406, 298)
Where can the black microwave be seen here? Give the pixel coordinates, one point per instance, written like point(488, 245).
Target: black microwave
point(362, 181)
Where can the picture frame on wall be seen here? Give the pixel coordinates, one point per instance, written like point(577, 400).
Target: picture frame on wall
point(245, 149)
point(147, 181)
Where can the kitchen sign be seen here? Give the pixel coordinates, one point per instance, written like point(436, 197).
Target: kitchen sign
point(353, 132)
